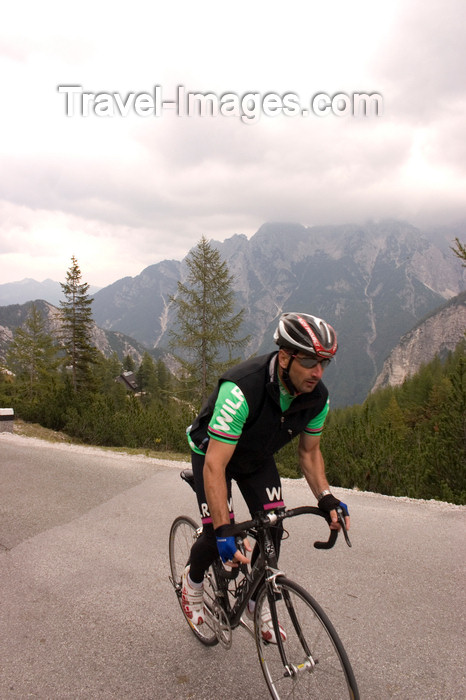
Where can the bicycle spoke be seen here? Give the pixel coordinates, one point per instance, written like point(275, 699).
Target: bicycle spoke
point(316, 662)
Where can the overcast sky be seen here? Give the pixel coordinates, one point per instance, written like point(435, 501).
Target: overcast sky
point(123, 192)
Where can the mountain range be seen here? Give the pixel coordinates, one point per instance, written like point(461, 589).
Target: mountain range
point(29, 289)
point(374, 283)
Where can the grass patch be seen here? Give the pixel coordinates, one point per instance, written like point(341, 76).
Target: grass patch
point(34, 430)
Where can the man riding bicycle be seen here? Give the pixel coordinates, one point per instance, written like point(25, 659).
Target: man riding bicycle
point(258, 407)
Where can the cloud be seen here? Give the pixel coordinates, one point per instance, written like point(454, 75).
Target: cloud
point(123, 193)
point(421, 63)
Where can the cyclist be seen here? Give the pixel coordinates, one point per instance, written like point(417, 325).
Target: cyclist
point(258, 406)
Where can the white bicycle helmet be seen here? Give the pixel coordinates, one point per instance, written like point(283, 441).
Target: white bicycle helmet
point(306, 333)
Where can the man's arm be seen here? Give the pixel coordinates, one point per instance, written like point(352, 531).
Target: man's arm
point(312, 465)
point(216, 460)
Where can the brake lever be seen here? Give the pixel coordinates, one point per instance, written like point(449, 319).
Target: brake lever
point(341, 520)
point(334, 533)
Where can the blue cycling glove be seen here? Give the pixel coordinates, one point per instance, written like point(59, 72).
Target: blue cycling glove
point(226, 548)
point(329, 502)
point(226, 545)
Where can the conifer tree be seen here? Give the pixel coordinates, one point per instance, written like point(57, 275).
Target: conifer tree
point(394, 418)
point(32, 355)
point(163, 377)
point(460, 250)
point(129, 364)
point(146, 375)
point(452, 429)
point(207, 326)
point(76, 316)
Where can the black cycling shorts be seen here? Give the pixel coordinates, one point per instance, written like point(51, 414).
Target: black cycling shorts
point(260, 489)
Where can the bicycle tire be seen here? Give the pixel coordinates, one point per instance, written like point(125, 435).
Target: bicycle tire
point(319, 665)
point(183, 534)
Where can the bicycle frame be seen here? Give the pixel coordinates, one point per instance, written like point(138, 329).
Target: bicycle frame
point(265, 565)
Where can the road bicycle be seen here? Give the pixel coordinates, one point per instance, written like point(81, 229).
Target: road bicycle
point(311, 661)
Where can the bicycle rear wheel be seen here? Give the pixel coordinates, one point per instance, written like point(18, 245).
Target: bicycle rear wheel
point(183, 533)
point(313, 662)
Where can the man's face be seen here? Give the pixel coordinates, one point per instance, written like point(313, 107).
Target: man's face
point(304, 380)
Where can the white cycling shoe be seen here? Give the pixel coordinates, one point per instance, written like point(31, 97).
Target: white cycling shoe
point(267, 630)
point(192, 600)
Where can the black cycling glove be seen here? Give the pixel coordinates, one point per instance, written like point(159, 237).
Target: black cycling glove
point(329, 502)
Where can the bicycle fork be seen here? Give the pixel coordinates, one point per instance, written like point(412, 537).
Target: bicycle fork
point(274, 592)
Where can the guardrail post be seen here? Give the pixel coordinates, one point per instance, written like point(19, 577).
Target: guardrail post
point(7, 419)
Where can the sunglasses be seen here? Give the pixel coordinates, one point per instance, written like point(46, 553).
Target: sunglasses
point(310, 362)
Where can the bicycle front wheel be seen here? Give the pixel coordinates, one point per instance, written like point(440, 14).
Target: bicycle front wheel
point(183, 533)
point(311, 662)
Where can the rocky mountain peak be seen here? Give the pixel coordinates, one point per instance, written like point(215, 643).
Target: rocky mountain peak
point(437, 334)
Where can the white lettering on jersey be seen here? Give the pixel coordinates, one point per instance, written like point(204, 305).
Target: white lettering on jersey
point(228, 410)
point(222, 421)
point(230, 406)
point(236, 391)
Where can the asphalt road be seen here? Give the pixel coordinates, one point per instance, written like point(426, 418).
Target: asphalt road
point(87, 610)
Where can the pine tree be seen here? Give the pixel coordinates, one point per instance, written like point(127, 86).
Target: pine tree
point(146, 376)
point(452, 432)
point(163, 377)
point(129, 364)
point(76, 315)
point(206, 323)
point(105, 370)
point(460, 250)
point(32, 355)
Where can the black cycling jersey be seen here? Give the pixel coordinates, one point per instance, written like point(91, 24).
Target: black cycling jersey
point(267, 427)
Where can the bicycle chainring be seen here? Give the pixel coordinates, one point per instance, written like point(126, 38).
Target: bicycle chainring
point(221, 626)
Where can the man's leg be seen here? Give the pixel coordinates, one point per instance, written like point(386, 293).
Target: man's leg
point(262, 490)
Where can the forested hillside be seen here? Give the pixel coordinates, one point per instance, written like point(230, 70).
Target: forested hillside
point(404, 441)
